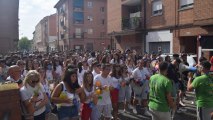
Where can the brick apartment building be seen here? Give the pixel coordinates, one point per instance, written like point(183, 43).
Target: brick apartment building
point(124, 19)
point(45, 35)
point(9, 34)
point(170, 26)
point(81, 24)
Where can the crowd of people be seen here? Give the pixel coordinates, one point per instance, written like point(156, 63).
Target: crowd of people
point(95, 85)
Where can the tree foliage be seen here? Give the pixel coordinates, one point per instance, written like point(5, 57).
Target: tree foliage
point(24, 44)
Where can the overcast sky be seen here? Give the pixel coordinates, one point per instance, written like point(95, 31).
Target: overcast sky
point(31, 12)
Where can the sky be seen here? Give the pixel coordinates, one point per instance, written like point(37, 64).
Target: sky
point(31, 12)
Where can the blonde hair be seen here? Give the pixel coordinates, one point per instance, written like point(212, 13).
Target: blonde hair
point(32, 74)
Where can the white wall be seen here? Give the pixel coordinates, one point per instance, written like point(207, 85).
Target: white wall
point(159, 36)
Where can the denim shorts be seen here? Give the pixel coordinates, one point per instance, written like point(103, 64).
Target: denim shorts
point(67, 112)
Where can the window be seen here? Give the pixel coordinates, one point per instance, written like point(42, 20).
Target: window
point(90, 31)
point(103, 21)
point(102, 9)
point(90, 18)
point(78, 17)
point(186, 3)
point(102, 34)
point(78, 33)
point(78, 3)
point(157, 8)
point(89, 4)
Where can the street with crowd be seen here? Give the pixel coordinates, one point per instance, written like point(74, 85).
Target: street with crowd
point(107, 85)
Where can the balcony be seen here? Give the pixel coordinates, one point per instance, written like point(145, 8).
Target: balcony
point(131, 2)
point(78, 22)
point(131, 23)
point(78, 35)
point(78, 9)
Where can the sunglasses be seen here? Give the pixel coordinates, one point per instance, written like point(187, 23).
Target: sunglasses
point(35, 82)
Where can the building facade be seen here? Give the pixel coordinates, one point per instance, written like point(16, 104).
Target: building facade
point(175, 25)
point(170, 26)
point(125, 24)
point(9, 34)
point(45, 36)
point(81, 24)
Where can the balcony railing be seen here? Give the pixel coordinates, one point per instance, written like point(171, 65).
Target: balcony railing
point(78, 35)
point(78, 22)
point(78, 9)
point(131, 2)
point(131, 23)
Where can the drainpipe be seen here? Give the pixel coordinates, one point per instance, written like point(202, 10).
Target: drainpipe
point(58, 34)
point(144, 31)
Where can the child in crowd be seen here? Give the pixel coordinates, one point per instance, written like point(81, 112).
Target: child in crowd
point(116, 77)
point(91, 99)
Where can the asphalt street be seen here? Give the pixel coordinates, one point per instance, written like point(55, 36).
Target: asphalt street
point(187, 113)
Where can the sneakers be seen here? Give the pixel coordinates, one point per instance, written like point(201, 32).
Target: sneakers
point(124, 111)
point(134, 111)
point(181, 110)
point(130, 107)
point(147, 113)
point(192, 102)
point(182, 104)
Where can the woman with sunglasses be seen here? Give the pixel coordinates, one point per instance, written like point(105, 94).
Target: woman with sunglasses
point(45, 84)
point(33, 97)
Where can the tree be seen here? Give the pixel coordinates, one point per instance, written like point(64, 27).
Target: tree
point(24, 44)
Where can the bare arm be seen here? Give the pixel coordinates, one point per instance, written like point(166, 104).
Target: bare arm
point(55, 95)
point(170, 101)
point(189, 85)
point(43, 102)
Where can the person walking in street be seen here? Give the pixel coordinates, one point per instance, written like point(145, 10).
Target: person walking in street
point(140, 85)
point(160, 99)
point(203, 86)
point(103, 87)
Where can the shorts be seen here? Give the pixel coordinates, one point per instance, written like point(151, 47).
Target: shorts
point(48, 107)
point(40, 117)
point(140, 92)
point(86, 112)
point(125, 94)
point(157, 115)
point(95, 115)
point(65, 112)
point(104, 110)
point(114, 95)
point(181, 86)
point(204, 113)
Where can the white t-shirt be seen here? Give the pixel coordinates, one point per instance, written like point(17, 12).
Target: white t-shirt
point(69, 96)
point(59, 70)
point(49, 75)
point(94, 73)
point(140, 74)
point(130, 69)
point(148, 71)
point(88, 94)
point(115, 81)
point(115, 62)
point(80, 77)
point(27, 92)
point(106, 100)
point(90, 60)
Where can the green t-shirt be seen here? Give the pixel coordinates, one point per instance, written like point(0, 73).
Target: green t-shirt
point(159, 87)
point(204, 90)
